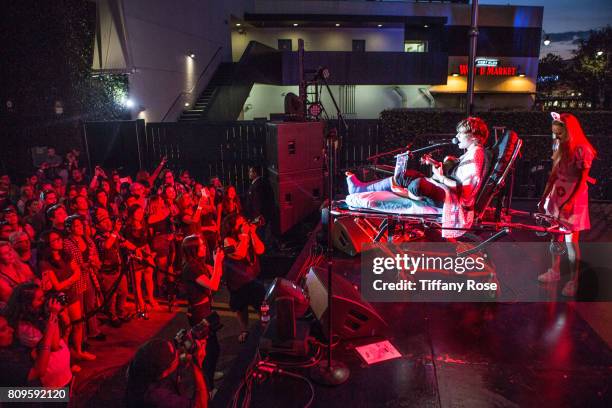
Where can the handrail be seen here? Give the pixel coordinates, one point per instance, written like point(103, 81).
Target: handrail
point(182, 93)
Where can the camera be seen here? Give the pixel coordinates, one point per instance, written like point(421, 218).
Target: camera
point(61, 297)
point(185, 339)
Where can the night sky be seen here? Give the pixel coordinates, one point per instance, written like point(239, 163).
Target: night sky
point(568, 15)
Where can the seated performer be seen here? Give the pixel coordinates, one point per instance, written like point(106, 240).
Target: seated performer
point(453, 185)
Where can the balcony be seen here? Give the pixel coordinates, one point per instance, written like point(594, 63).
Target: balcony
point(370, 68)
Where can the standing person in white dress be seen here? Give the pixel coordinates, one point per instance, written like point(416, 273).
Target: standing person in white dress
point(566, 194)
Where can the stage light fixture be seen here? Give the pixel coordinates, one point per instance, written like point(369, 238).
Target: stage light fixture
point(547, 40)
point(128, 103)
point(285, 288)
point(522, 75)
point(238, 24)
point(325, 72)
point(455, 74)
point(337, 24)
point(191, 55)
point(599, 53)
point(295, 24)
point(315, 110)
point(186, 104)
point(425, 26)
point(379, 25)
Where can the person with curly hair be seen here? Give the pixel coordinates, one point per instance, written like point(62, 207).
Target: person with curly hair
point(453, 185)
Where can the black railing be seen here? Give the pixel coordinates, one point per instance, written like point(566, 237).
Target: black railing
point(259, 63)
point(195, 86)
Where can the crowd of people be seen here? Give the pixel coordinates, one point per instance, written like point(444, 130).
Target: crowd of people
point(73, 247)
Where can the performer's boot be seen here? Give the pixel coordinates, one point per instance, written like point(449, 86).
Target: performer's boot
point(357, 186)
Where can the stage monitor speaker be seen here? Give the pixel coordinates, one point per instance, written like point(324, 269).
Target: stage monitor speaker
point(294, 146)
point(352, 316)
point(350, 233)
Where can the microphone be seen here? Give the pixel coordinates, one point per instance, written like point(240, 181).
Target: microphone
point(433, 145)
point(454, 141)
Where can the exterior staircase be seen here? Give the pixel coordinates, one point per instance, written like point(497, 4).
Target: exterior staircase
point(222, 77)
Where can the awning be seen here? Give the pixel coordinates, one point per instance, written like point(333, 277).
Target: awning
point(111, 47)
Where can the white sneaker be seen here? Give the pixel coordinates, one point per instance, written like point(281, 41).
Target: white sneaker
point(549, 276)
point(569, 290)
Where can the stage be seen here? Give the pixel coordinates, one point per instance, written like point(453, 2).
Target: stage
point(500, 354)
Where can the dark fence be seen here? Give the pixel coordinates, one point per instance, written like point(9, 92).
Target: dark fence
point(208, 149)
point(226, 149)
point(20, 138)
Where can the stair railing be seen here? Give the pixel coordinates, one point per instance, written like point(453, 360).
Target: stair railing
point(183, 93)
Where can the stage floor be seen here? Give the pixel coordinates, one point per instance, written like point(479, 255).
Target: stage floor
point(464, 354)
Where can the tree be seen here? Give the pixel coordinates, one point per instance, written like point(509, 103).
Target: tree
point(47, 51)
point(551, 70)
point(590, 70)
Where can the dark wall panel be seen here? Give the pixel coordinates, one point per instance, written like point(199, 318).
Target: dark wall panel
point(498, 41)
point(371, 68)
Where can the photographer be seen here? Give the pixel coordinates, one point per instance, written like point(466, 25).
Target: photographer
point(35, 326)
point(200, 281)
point(17, 366)
point(242, 268)
point(152, 377)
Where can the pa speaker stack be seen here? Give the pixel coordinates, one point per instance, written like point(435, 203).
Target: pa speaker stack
point(294, 153)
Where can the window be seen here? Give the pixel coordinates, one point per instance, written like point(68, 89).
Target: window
point(359, 45)
point(415, 46)
point(285, 45)
point(347, 99)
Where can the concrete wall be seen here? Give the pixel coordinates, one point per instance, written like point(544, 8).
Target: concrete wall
point(160, 34)
point(370, 100)
point(316, 39)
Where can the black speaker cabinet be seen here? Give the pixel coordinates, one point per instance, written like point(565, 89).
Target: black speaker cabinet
point(296, 195)
point(350, 233)
point(294, 146)
point(352, 316)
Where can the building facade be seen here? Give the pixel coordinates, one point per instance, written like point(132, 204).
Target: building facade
point(433, 38)
point(237, 59)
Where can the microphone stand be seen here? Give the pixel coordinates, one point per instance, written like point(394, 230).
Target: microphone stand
point(424, 149)
point(330, 371)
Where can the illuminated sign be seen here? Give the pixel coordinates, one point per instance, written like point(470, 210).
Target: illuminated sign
point(489, 70)
point(486, 62)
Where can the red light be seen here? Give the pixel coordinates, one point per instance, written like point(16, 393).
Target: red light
point(315, 110)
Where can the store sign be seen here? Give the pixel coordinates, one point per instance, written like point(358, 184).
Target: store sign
point(489, 70)
point(486, 62)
